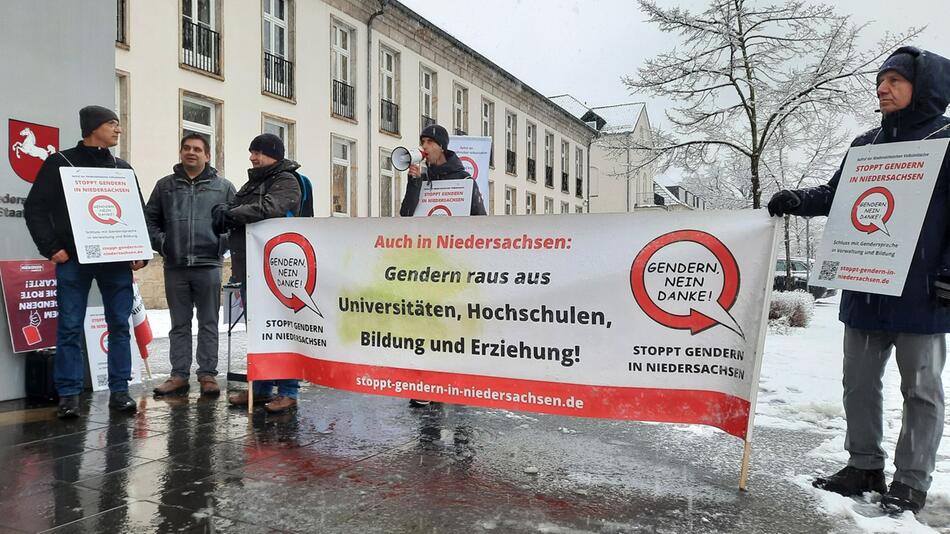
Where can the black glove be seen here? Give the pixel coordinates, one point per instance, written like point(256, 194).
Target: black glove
point(942, 287)
point(220, 220)
point(784, 202)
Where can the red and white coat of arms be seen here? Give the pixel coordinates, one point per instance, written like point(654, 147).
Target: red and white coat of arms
point(29, 145)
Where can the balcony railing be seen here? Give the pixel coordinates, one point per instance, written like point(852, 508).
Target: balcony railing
point(579, 188)
point(459, 131)
point(549, 176)
point(278, 76)
point(120, 12)
point(344, 100)
point(565, 183)
point(389, 116)
point(426, 120)
point(511, 161)
point(531, 170)
point(200, 47)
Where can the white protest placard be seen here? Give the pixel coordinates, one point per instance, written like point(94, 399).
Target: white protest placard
point(475, 155)
point(445, 198)
point(631, 316)
point(106, 214)
point(875, 219)
point(97, 349)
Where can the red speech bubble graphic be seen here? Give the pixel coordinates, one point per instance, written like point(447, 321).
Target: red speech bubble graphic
point(871, 215)
point(439, 211)
point(470, 166)
point(105, 210)
point(695, 321)
point(104, 342)
point(292, 268)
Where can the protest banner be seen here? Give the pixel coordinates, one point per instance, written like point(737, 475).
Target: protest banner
point(875, 219)
point(445, 198)
point(629, 316)
point(97, 349)
point(475, 154)
point(29, 293)
point(106, 215)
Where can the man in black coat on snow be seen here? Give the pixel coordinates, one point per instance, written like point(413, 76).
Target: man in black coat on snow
point(913, 88)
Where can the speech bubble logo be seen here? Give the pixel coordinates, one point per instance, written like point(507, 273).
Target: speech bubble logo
point(104, 342)
point(439, 211)
point(687, 280)
point(105, 210)
point(468, 163)
point(872, 210)
point(290, 270)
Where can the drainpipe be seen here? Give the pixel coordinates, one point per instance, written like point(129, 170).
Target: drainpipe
point(369, 107)
point(589, 143)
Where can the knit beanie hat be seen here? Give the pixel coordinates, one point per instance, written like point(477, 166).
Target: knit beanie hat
point(269, 145)
point(91, 117)
point(437, 134)
point(901, 63)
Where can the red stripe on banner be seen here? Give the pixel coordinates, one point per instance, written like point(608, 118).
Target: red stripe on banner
point(720, 410)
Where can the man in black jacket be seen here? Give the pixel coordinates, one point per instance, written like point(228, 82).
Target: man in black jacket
point(178, 215)
point(441, 164)
point(272, 191)
point(913, 91)
point(48, 221)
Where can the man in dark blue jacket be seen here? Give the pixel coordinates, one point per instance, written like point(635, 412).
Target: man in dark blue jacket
point(914, 91)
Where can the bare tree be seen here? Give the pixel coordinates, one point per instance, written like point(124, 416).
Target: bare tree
point(746, 70)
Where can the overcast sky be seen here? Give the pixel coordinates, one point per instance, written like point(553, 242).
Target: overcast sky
point(585, 47)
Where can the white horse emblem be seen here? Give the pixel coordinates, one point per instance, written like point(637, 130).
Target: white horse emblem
point(28, 146)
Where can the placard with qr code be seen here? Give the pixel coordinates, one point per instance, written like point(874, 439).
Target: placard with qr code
point(875, 220)
point(106, 214)
point(97, 348)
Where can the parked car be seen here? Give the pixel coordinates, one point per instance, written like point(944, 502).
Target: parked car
point(800, 272)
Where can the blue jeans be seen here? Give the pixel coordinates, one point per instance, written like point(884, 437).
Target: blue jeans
point(285, 388)
point(73, 281)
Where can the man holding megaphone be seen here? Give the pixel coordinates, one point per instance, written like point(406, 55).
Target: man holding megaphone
point(441, 164)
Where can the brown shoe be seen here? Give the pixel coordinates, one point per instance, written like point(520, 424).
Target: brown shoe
point(240, 398)
point(174, 384)
point(209, 385)
point(280, 404)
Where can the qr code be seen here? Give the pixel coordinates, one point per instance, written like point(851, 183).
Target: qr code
point(102, 380)
point(93, 251)
point(829, 270)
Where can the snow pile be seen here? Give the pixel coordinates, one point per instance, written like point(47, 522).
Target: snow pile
point(791, 308)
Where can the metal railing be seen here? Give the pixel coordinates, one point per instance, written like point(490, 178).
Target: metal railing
point(344, 99)
point(579, 188)
point(200, 47)
point(426, 120)
point(549, 176)
point(459, 131)
point(532, 175)
point(120, 12)
point(511, 161)
point(389, 116)
point(565, 183)
point(278, 76)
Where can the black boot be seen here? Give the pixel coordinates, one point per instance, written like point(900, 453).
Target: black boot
point(852, 481)
point(901, 498)
point(121, 401)
point(68, 407)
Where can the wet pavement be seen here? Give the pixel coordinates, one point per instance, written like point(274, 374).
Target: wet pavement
point(345, 462)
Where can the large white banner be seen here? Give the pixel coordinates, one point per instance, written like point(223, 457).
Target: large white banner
point(106, 214)
point(475, 154)
point(633, 316)
point(97, 348)
point(874, 223)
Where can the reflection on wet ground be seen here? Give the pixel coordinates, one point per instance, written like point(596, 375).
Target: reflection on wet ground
point(360, 463)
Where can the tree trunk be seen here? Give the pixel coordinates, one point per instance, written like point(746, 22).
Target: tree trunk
point(756, 188)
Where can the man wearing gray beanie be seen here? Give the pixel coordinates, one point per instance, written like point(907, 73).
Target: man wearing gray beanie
point(913, 90)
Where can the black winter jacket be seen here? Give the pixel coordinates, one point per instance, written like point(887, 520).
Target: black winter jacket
point(178, 215)
point(452, 169)
point(271, 192)
point(45, 209)
point(916, 310)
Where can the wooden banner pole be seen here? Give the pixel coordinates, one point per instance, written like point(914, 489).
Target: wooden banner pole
point(250, 397)
point(148, 370)
point(744, 470)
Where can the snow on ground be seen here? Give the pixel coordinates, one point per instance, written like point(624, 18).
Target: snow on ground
point(800, 389)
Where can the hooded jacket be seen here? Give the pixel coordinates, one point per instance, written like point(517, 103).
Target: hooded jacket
point(452, 169)
point(45, 209)
point(270, 192)
point(178, 216)
point(916, 310)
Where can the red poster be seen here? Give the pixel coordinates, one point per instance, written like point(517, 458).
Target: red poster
point(29, 292)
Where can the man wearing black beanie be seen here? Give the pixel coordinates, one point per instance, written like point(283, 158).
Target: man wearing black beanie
point(272, 191)
point(913, 90)
point(441, 164)
point(48, 221)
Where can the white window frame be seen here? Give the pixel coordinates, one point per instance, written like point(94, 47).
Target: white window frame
point(277, 124)
point(341, 54)
point(548, 206)
point(511, 131)
point(208, 130)
point(275, 21)
point(565, 157)
point(548, 149)
point(532, 135)
point(348, 165)
point(122, 104)
point(565, 207)
point(530, 203)
point(388, 91)
point(488, 118)
point(394, 184)
point(427, 92)
point(579, 163)
point(511, 200)
point(460, 108)
point(193, 18)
